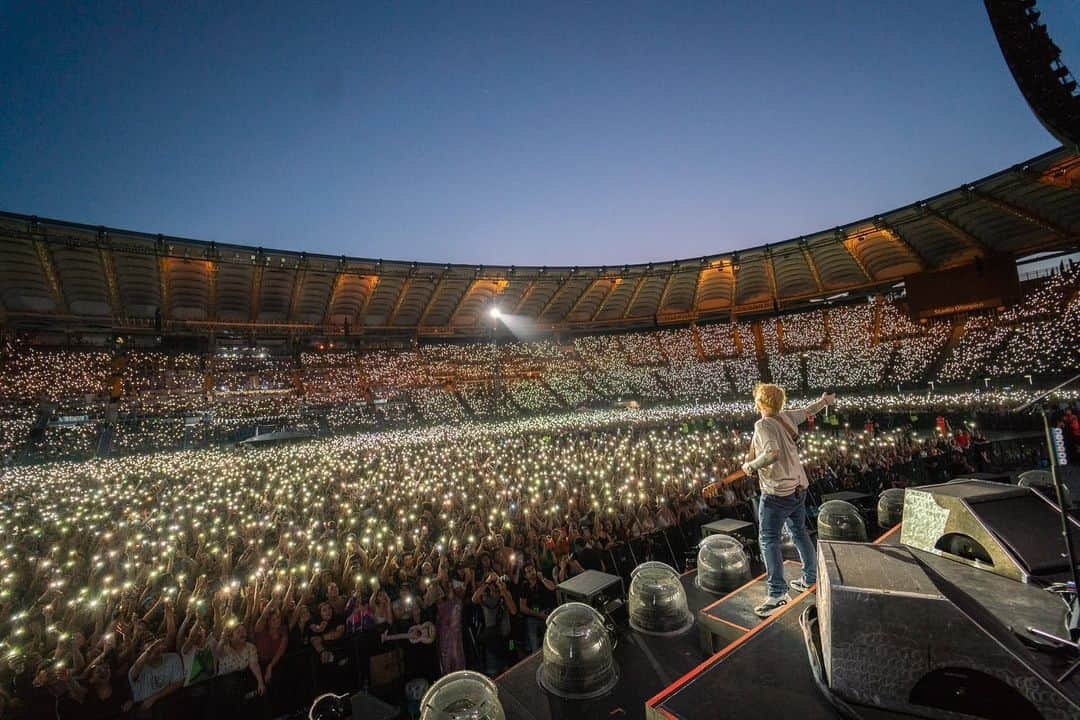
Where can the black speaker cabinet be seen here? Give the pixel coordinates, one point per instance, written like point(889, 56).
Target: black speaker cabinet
point(912, 632)
point(1007, 530)
point(369, 707)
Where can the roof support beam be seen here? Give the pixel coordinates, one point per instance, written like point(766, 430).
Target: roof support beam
point(256, 287)
point(212, 290)
point(431, 300)
point(1023, 213)
point(854, 256)
point(299, 276)
point(734, 282)
point(164, 289)
point(897, 237)
point(664, 292)
point(524, 296)
point(400, 299)
point(461, 300)
point(615, 282)
point(697, 287)
point(108, 268)
point(810, 263)
point(48, 268)
point(770, 273)
point(642, 279)
point(335, 287)
point(577, 302)
point(551, 300)
point(361, 312)
point(963, 235)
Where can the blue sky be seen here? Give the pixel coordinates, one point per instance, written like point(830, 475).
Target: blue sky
point(553, 133)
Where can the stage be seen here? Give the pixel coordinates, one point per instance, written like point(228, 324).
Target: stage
point(734, 665)
point(681, 677)
point(747, 663)
point(646, 665)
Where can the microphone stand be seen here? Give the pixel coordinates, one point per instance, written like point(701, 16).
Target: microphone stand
point(1037, 404)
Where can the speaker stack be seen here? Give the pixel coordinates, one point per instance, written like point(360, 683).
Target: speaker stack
point(956, 620)
point(1003, 529)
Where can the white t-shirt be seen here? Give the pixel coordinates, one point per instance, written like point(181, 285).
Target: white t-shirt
point(230, 660)
point(155, 679)
point(785, 475)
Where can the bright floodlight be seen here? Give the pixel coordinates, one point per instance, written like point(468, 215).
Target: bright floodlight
point(495, 313)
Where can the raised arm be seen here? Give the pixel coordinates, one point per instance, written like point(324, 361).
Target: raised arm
point(260, 624)
point(136, 668)
point(818, 405)
point(511, 608)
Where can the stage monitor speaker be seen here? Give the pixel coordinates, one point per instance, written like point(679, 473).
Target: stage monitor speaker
point(912, 632)
point(1002, 478)
point(1008, 530)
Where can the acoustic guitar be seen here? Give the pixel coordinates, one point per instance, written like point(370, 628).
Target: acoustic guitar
point(422, 633)
point(713, 488)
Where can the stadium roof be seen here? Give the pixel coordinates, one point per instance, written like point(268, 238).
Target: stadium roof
point(68, 275)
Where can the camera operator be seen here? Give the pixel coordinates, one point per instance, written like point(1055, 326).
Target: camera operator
point(536, 598)
point(497, 605)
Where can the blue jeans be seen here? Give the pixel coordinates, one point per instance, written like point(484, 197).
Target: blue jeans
point(534, 633)
point(773, 512)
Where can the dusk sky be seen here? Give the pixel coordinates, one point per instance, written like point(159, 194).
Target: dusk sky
point(567, 133)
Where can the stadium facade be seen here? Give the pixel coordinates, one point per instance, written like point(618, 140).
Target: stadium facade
point(64, 275)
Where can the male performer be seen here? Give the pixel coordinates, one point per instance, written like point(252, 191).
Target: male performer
point(775, 457)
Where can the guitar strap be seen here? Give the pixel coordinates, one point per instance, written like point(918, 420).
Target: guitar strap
point(792, 432)
point(790, 429)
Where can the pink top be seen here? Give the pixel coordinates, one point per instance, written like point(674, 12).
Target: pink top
point(267, 645)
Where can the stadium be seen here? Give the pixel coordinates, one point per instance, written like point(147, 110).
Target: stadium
point(237, 479)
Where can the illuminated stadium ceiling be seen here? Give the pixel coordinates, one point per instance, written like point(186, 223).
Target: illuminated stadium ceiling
point(66, 275)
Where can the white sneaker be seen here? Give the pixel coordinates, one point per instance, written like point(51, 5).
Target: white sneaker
point(771, 605)
point(800, 586)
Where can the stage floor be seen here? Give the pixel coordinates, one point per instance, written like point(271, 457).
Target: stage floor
point(763, 674)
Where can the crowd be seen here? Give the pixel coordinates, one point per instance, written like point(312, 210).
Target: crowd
point(696, 381)
point(438, 404)
point(803, 331)
point(718, 339)
point(533, 396)
point(678, 346)
point(786, 370)
point(572, 389)
point(1037, 336)
point(172, 400)
point(30, 373)
point(194, 584)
